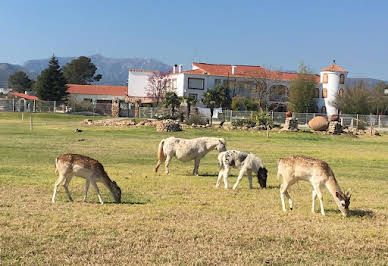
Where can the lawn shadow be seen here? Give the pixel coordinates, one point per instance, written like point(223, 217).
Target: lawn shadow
point(356, 213)
point(361, 213)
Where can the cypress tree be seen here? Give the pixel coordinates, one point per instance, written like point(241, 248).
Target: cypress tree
point(51, 83)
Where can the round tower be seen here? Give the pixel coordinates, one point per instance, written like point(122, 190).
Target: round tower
point(333, 80)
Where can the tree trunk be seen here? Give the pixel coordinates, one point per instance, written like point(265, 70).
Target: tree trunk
point(211, 116)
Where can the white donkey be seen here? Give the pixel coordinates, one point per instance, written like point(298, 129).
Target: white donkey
point(247, 162)
point(187, 150)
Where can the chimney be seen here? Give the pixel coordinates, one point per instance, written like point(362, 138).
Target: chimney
point(180, 68)
point(234, 68)
point(174, 68)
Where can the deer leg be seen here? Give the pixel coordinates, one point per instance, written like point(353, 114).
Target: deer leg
point(220, 174)
point(66, 186)
point(320, 197)
point(60, 179)
point(283, 191)
point(240, 176)
point(250, 179)
point(97, 190)
point(314, 194)
point(167, 162)
point(196, 166)
point(86, 190)
point(226, 175)
point(158, 164)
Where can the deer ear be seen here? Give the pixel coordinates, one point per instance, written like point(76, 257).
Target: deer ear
point(221, 140)
point(337, 194)
point(348, 193)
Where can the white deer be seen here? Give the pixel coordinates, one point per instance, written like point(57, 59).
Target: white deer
point(69, 165)
point(187, 150)
point(318, 173)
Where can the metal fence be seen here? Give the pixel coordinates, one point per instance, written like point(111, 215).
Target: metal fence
point(354, 120)
point(75, 107)
point(126, 110)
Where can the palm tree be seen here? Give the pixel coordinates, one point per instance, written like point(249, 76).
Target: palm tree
point(171, 100)
point(190, 101)
point(212, 99)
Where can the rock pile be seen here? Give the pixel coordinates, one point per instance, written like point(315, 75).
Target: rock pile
point(168, 126)
point(335, 128)
point(291, 124)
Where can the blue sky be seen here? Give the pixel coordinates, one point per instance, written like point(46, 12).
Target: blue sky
point(275, 34)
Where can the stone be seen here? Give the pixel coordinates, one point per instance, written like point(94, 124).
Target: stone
point(335, 128)
point(291, 124)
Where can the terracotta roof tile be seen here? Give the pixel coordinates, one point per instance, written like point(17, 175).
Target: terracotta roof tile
point(334, 68)
point(97, 89)
point(243, 71)
point(25, 96)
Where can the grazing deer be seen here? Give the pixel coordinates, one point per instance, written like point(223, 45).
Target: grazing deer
point(246, 162)
point(318, 173)
point(69, 165)
point(187, 150)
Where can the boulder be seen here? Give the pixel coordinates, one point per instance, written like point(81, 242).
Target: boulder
point(319, 123)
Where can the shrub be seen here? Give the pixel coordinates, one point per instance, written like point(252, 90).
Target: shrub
point(263, 119)
point(243, 122)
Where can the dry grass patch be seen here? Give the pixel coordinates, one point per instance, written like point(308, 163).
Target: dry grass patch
point(181, 219)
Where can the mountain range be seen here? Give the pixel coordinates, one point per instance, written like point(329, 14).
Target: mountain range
point(114, 70)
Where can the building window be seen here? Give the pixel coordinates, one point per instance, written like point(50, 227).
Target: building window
point(316, 93)
point(323, 110)
point(194, 95)
point(278, 93)
point(341, 92)
point(87, 100)
point(324, 93)
point(217, 82)
point(342, 79)
point(325, 78)
point(196, 84)
point(174, 84)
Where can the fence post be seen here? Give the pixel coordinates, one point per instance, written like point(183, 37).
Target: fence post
point(34, 107)
point(31, 123)
point(13, 105)
point(357, 121)
point(22, 116)
point(55, 106)
point(230, 117)
point(379, 121)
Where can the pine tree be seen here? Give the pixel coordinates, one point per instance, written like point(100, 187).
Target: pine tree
point(51, 83)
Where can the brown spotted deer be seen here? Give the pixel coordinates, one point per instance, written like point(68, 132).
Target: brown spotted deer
point(69, 165)
point(298, 167)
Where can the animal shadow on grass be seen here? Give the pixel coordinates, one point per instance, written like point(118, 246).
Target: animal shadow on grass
point(130, 199)
point(361, 213)
point(354, 213)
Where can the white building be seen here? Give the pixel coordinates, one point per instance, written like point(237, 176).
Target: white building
point(138, 81)
point(242, 80)
point(96, 93)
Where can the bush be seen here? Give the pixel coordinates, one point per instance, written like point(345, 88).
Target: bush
point(165, 117)
point(196, 119)
point(240, 103)
point(243, 122)
point(263, 119)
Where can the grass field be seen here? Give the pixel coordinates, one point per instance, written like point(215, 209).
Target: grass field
point(183, 219)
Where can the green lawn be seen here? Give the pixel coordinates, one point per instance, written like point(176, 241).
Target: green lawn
point(183, 219)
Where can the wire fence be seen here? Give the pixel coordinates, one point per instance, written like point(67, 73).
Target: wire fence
point(127, 110)
point(350, 120)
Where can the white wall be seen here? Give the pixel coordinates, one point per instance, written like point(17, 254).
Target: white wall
point(81, 97)
point(137, 82)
